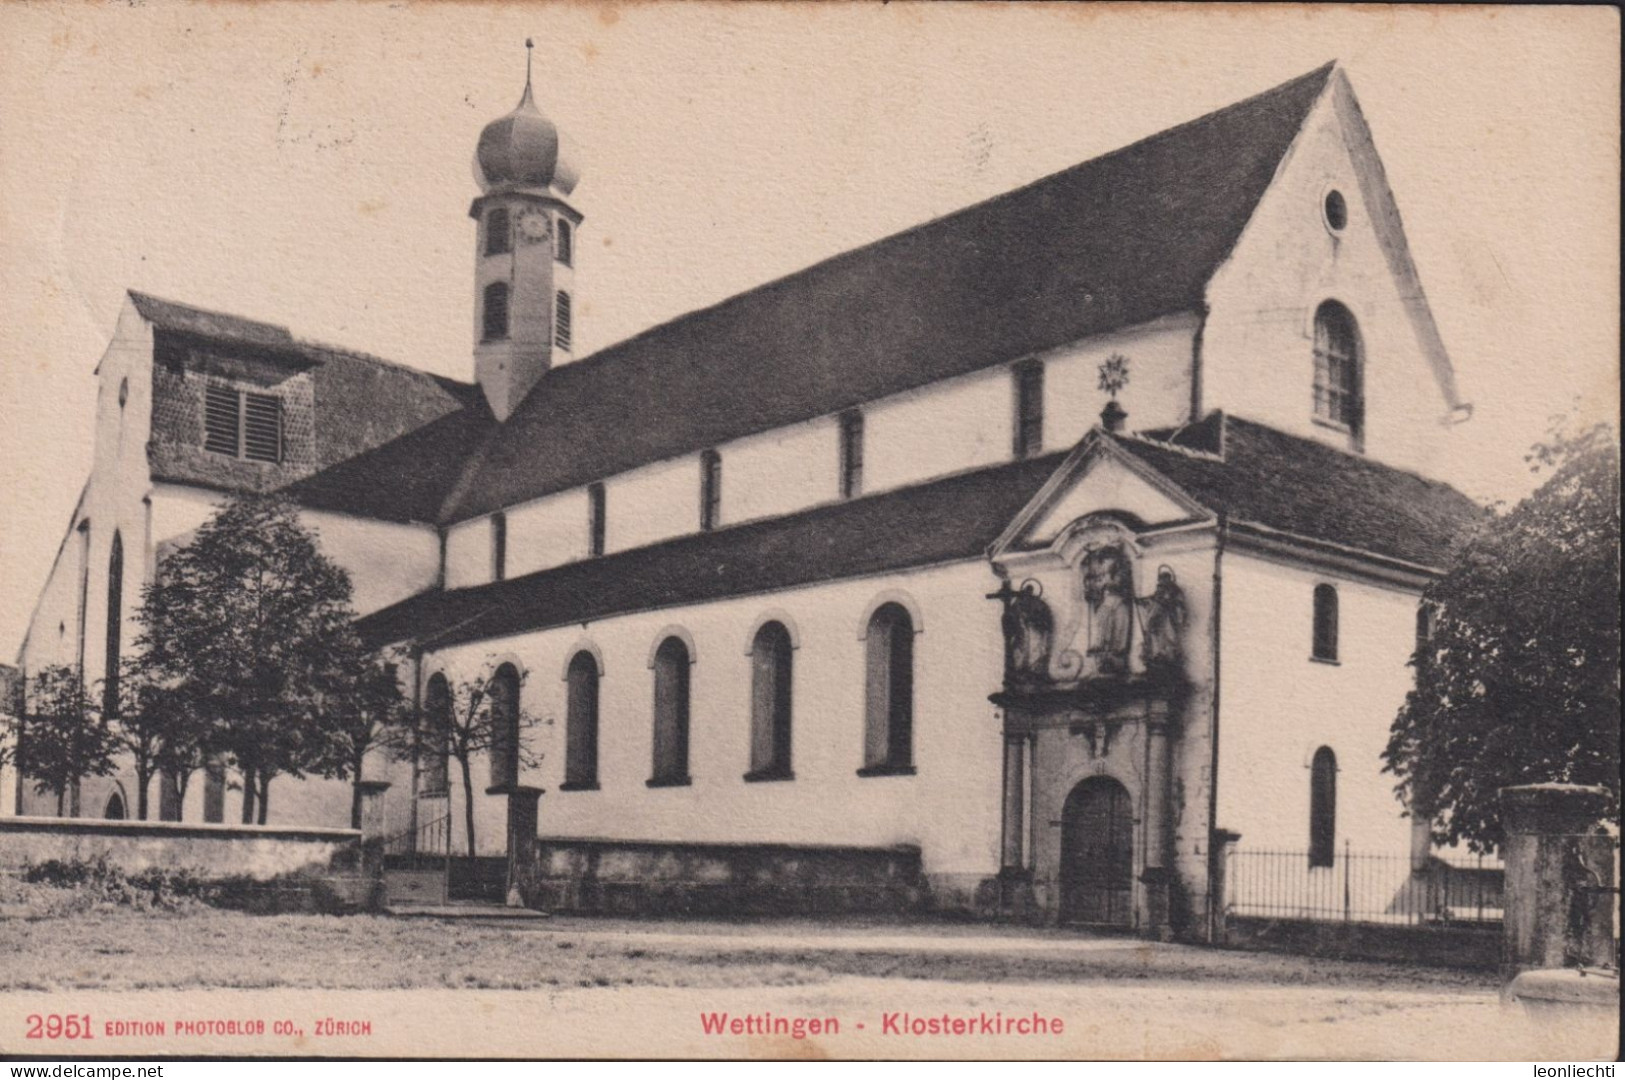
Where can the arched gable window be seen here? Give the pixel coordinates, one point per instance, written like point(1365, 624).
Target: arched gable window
point(115, 626)
point(504, 692)
point(1325, 634)
point(498, 237)
point(1338, 375)
point(494, 313)
point(1323, 808)
point(564, 242)
point(581, 723)
point(671, 667)
point(433, 766)
point(770, 676)
point(889, 692)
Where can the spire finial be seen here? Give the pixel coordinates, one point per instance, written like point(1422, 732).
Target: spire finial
point(529, 45)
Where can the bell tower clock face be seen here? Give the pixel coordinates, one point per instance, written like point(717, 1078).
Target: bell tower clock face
point(534, 226)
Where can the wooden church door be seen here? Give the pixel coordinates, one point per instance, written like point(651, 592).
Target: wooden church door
point(1097, 854)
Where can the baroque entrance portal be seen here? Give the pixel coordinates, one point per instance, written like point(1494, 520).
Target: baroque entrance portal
point(1097, 854)
point(1094, 703)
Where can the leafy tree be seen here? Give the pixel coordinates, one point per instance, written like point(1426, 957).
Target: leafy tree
point(157, 729)
point(1518, 681)
point(468, 722)
point(63, 738)
point(247, 625)
point(363, 712)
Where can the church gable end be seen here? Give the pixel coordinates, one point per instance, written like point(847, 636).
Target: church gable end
point(1317, 323)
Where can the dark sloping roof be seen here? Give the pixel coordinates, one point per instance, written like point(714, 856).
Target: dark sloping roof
point(950, 519)
point(185, 319)
point(1253, 473)
point(1115, 241)
point(363, 401)
point(405, 479)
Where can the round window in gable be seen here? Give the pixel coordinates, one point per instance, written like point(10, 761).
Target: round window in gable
point(1336, 210)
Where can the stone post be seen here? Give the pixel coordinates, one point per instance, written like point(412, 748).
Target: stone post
point(1559, 907)
point(522, 848)
point(1221, 845)
point(373, 826)
point(1156, 871)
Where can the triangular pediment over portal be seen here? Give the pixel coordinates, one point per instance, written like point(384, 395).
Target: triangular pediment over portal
point(1098, 480)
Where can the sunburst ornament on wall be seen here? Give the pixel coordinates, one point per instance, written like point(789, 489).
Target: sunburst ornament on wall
point(1114, 374)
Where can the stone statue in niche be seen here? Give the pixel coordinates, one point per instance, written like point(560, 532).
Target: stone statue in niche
point(1028, 629)
point(1108, 592)
point(1163, 616)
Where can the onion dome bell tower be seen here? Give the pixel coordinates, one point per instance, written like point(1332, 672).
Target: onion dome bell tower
point(524, 289)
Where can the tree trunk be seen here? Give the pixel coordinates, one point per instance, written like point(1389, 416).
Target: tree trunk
point(61, 796)
point(265, 795)
point(468, 805)
point(355, 790)
point(249, 790)
point(143, 777)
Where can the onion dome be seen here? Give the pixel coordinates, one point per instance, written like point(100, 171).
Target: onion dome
point(523, 149)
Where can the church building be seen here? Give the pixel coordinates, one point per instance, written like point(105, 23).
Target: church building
point(1012, 564)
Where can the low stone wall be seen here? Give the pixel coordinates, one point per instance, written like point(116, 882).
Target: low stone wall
point(266, 867)
point(1472, 947)
point(646, 878)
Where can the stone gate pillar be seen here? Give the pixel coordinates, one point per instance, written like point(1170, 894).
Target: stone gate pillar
point(373, 830)
point(522, 848)
point(1559, 907)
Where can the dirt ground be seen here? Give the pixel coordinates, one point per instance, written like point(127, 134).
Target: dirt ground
point(1115, 997)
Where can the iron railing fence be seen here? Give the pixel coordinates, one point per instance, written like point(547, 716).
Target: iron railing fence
point(1364, 887)
point(430, 838)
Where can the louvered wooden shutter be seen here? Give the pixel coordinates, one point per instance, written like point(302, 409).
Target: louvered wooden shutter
point(220, 420)
point(262, 427)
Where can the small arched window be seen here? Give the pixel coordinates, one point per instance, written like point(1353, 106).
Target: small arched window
point(498, 236)
point(561, 320)
point(671, 714)
point(564, 240)
point(504, 707)
point(1323, 808)
point(1324, 646)
point(115, 627)
point(889, 692)
point(581, 723)
point(433, 771)
point(494, 315)
point(1338, 395)
point(770, 668)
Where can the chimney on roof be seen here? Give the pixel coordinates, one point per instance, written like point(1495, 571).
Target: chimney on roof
point(1112, 416)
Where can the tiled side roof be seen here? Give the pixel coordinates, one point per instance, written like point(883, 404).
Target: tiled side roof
point(1257, 474)
point(1115, 241)
point(950, 519)
point(1264, 477)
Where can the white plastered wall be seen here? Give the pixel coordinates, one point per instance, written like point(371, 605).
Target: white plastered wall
point(909, 438)
point(950, 808)
point(1278, 706)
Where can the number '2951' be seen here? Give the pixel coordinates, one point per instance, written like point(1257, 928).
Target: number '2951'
point(55, 1026)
